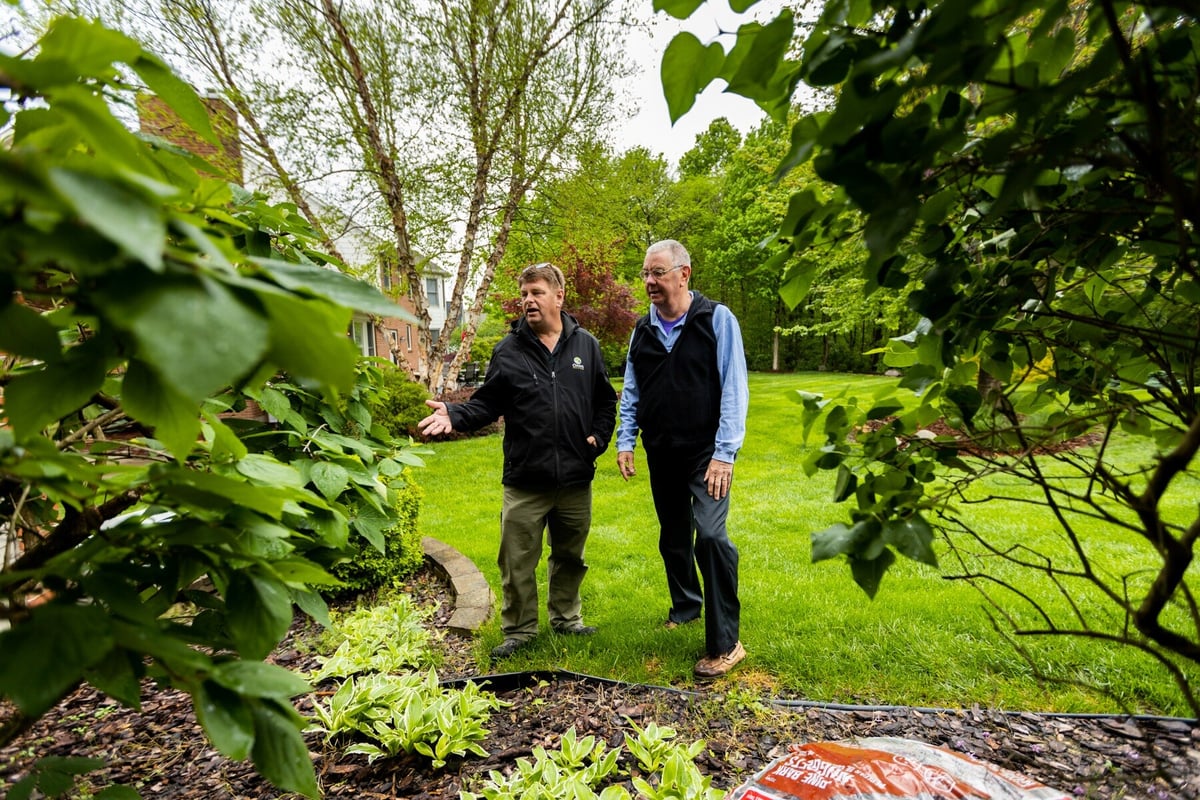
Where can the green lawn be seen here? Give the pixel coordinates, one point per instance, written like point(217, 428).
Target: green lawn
point(809, 630)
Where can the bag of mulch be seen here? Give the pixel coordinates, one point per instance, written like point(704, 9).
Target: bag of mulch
point(886, 768)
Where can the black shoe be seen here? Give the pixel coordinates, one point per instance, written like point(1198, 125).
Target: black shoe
point(508, 647)
point(577, 629)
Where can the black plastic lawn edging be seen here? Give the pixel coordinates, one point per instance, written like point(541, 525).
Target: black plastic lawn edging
point(511, 681)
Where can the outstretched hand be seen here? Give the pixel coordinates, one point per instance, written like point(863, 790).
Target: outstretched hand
point(436, 423)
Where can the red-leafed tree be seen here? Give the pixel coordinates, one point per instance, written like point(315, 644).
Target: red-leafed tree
point(594, 296)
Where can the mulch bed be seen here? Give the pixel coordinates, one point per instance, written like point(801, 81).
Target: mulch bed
point(161, 751)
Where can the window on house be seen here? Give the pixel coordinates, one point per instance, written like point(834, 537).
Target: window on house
point(385, 276)
point(408, 337)
point(433, 290)
point(363, 333)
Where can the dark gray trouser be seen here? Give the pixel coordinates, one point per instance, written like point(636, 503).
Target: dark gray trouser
point(567, 515)
point(685, 509)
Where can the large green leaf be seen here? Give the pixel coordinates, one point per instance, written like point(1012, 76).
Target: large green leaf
point(371, 523)
point(25, 332)
point(330, 479)
point(206, 488)
point(56, 644)
point(225, 446)
point(838, 539)
point(911, 537)
point(266, 469)
point(868, 572)
point(309, 338)
point(226, 718)
point(259, 613)
point(754, 65)
point(174, 418)
point(180, 96)
point(333, 286)
point(279, 751)
point(680, 9)
point(87, 46)
point(687, 67)
point(35, 399)
point(118, 676)
point(195, 334)
point(119, 214)
point(258, 679)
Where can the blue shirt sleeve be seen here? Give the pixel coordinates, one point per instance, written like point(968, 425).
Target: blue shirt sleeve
point(735, 386)
point(627, 431)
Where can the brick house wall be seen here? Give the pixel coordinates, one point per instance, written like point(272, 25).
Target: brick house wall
point(157, 118)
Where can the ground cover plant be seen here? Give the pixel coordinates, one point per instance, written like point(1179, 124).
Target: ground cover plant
point(922, 641)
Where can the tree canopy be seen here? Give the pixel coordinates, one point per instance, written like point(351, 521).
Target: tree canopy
point(438, 120)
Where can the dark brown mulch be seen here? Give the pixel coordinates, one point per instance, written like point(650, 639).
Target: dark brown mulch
point(161, 751)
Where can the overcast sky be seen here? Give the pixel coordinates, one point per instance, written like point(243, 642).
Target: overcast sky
point(652, 127)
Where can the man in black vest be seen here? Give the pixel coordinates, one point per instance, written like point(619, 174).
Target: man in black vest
point(686, 390)
point(548, 380)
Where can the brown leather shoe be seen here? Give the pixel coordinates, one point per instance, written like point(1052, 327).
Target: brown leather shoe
point(716, 666)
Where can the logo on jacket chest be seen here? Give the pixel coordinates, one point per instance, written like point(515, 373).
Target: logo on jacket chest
point(577, 363)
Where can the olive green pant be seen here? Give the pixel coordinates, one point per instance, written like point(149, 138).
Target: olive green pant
point(567, 515)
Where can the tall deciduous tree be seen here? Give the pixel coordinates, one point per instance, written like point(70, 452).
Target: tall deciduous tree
point(1029, 172)
point(427, 124)
point(607, 200)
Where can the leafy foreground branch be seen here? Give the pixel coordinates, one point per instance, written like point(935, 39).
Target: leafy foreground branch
point(149, 533)
point(1025, 174)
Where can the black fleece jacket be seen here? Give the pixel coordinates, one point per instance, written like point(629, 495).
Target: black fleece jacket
point(551, 404)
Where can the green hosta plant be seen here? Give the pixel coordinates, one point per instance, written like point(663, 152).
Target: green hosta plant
point(579, 766)
point(574, 771)
point(408, 713)
point(386, 638)
point(586, 757)
point(680, 778)
point(652, 746)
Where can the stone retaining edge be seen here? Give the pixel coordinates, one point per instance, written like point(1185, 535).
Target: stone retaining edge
point(473, 598)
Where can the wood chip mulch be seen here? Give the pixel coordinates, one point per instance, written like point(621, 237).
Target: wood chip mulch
point(161, 751)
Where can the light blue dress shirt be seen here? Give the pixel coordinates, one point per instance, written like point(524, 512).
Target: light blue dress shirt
point(731, 366)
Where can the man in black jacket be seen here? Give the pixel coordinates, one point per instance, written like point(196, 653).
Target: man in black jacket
point(548, 380)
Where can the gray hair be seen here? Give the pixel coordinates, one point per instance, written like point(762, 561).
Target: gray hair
point(679, 254)
point(543, 272)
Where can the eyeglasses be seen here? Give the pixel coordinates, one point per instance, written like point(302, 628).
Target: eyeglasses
point(659, 273)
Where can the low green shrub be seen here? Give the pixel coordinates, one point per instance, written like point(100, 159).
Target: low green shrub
point(398, 403)
point(367, 566)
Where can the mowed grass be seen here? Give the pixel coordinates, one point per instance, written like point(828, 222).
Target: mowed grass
point(810, 632)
